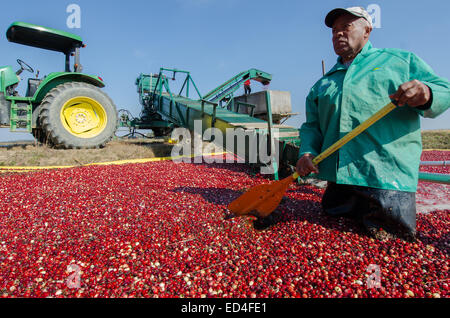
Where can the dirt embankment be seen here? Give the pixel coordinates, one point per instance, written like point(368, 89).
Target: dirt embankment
point(25, 154)
point(30, 154)
point(436, 139)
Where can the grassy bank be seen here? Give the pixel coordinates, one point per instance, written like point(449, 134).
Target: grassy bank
point(436, 139)
point(31, 154)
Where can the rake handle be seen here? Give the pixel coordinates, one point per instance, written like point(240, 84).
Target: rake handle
point(351, 135)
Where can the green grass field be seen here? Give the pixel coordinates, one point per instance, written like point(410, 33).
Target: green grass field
point(436, 139)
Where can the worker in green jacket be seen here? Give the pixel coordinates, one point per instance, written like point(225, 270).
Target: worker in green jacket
point(374, 178)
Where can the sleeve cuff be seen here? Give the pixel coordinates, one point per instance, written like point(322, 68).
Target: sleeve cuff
point(428, 105)
point(307, 153)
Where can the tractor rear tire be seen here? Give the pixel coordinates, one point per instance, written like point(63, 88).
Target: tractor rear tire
point(41, 136)
point(78, 116)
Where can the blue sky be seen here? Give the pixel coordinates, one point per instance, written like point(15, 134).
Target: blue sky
point(216, 39)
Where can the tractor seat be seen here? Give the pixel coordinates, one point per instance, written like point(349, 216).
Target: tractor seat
point(33, 85)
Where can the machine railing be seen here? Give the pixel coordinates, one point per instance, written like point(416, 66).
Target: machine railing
point(227, 89)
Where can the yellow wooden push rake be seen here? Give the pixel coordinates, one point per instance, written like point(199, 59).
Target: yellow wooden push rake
point(262, 200)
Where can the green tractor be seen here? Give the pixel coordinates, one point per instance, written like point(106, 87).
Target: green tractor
point(66, 110)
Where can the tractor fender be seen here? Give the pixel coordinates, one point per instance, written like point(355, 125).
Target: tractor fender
point(55, 79)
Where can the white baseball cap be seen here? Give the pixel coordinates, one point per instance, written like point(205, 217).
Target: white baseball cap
point(356, 11)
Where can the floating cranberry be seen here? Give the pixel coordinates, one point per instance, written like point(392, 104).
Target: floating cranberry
point(163, 230)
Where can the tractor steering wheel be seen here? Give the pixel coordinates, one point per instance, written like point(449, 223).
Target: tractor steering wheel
point(24, 67)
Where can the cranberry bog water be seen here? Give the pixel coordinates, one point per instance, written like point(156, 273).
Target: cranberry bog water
point(161, 229)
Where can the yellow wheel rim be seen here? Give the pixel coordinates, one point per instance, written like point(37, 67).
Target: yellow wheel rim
point(84, 117)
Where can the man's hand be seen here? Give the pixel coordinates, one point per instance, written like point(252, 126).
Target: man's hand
point(305, 165)
point(414, 93)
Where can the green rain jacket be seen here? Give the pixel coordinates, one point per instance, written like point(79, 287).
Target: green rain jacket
point(387, 155)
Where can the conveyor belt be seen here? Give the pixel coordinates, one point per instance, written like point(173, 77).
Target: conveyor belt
point(183, 112)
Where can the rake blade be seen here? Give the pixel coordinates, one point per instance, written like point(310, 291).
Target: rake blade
point(247, 202)
point(270, 204)
point(261, 200)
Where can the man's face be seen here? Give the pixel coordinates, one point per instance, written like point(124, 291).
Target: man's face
point(350, 34)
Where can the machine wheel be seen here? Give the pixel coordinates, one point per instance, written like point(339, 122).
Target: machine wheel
point(78, 116)
point(161, 132)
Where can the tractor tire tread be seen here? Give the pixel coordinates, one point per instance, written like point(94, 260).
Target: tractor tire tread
point(69, 142)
